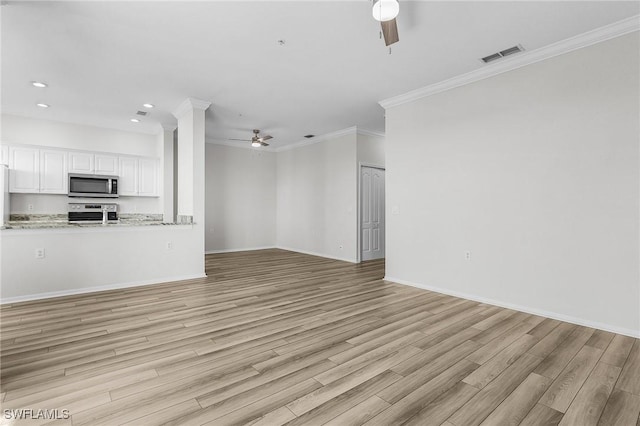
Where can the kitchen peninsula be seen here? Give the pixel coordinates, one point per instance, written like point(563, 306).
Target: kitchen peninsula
point(51, 258)
point(42, 255)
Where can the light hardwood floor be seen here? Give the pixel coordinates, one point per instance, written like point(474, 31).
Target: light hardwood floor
point(275, 337)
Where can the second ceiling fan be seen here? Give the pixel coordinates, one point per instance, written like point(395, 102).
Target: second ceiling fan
point(386, 11)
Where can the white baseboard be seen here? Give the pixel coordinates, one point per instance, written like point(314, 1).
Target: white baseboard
point(526, 309)
point(240, 249)
point(312, 253)
point(117, 286)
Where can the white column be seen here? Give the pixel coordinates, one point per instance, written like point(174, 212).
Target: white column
point(191, 139)
point(165, 141)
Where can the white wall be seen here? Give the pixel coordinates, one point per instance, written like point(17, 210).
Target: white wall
point(316, 198)
point(23, 130)
point(371, 150)
point(240, 198)
point(312, 189)
point(78, 261)
point(18, 130)
point(536, 172)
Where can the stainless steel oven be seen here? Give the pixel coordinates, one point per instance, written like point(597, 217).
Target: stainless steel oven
point(93, 186)
point(92, 212)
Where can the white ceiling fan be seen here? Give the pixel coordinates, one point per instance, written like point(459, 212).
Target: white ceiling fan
point(256, 140)
point(386, 11)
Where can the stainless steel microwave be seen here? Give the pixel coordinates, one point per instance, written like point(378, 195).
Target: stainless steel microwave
point(93, 186)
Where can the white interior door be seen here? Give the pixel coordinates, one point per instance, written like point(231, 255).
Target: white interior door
point(372, 213)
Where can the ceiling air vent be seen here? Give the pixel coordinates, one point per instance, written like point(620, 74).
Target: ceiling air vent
point(141, 113)
point(502, 54)
point(493, 57)
point(511, 50)
point(309, 136)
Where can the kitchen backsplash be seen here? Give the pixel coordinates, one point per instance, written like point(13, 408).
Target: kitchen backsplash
point(57, 204)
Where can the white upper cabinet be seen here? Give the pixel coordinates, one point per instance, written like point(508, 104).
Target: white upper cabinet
point(81, 162)
point(128, 181)
point(53, 172)
point(98, 164)
point(107, 165)
point(147, 177)
point(46, 170)
point(138, 177)
point(35, 170)
point(24, 169)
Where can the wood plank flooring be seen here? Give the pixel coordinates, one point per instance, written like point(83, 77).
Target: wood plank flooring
point(273, 337)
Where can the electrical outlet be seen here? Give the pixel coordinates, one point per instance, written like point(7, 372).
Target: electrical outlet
point(169, 245)
point(39, 253)
point(467, 255)
point(30, 207)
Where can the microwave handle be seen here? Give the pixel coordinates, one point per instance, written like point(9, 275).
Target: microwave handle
point(109, 186)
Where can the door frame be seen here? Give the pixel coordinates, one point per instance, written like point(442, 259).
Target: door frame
point(359, 208)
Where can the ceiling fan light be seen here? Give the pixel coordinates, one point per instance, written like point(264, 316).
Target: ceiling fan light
point(385, 10)
point(256, 144)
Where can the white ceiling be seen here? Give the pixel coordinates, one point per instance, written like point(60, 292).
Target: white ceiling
point(103, 60)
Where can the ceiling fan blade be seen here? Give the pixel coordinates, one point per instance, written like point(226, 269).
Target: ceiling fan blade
point(390, 32)
point(266, 137)
point(264, 144)
point(243, 140)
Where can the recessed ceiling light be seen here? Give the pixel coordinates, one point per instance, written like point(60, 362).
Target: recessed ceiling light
point(43, 105)
point(135, 120)
point(148, 105)
point(38, 84)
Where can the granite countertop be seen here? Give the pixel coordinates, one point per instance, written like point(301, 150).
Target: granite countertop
point(59, 221)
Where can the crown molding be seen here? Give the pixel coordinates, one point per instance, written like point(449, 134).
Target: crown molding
point(333, 135)
point(306, 142)
point(370, 133)
point(589, 38)
point(190, 104)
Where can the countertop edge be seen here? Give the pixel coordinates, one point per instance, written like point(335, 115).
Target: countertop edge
point(86, 227)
